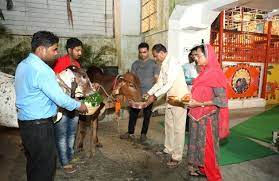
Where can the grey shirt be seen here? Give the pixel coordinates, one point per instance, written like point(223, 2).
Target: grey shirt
point(146, 71)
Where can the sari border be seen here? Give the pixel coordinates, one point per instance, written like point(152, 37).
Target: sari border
point(204, 116)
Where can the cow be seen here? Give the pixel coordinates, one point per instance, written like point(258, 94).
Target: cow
point(126, 85)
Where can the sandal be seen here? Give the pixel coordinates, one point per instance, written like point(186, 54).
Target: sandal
point(173, 163)
point(161, 152)
point(196, 173)
point(69, 169)
point(77, 160)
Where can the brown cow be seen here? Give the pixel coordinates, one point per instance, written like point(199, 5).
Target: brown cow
point(127, 85)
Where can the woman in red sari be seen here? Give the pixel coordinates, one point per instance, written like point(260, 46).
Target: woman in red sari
point(208, 108)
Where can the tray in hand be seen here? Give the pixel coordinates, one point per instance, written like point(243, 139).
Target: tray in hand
point(175, 101)
point(91, 109)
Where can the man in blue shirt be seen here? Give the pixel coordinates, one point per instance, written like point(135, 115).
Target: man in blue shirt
point(190, 70)
point(37, 97)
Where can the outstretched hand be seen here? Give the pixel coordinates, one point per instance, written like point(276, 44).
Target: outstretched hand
point(194, 103)
point(82, 108)
point(151, 99)
point(145, 96)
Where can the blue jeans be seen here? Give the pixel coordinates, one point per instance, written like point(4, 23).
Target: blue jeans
point(65, 132)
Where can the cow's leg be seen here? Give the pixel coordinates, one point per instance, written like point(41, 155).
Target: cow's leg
point(92, 149)
point(94, 142)
point(81, 134)
point(95, 134)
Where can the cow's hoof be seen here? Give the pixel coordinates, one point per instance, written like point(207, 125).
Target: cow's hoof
point(80, 149)
point(88, 155)
point(99, 145)
point(91, 155)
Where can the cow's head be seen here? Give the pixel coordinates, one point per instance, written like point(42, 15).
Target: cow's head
point(75, 82)
point(128, 85)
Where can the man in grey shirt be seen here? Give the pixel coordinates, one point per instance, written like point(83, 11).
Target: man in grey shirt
point(148, 71)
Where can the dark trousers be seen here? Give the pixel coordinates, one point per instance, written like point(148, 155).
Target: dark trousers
point(39, 145)
point(134, 116)
point(187, 121)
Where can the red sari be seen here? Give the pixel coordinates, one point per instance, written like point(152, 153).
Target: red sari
point(205, 129)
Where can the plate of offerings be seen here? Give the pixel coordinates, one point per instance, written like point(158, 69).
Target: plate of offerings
point(176, 101)
point(92, 103)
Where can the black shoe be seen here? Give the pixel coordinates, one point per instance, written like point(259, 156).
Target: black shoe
point(196, 173)
point(127, 136)
point(143, 137)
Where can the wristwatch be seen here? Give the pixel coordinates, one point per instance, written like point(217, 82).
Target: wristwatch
point(202, 104)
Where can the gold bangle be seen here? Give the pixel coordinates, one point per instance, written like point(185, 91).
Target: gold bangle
point(202, 104)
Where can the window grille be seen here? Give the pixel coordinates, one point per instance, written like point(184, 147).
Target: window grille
point(148, 15)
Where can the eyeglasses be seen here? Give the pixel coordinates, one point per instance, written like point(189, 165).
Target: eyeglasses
point(196, 56)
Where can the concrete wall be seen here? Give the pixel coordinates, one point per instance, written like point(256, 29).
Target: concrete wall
point(130, 17)
point(90, 17)
point(92, 22)
point(129, 33)
point(188, 25)
point(28, 16)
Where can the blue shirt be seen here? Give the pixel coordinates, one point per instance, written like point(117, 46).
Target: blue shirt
point(37, 91)
point(190, 72)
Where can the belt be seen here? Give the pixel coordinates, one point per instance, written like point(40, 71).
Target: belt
point(36, 121)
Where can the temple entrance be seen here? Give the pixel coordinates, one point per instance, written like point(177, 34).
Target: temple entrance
point(247, 44)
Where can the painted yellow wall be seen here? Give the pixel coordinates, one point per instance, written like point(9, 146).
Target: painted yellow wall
point(272, 93)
